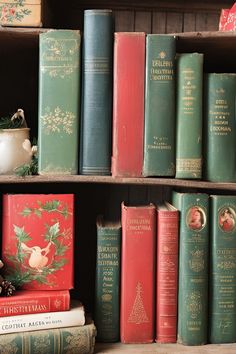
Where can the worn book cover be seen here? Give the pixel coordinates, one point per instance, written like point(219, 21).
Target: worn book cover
point(38, 240)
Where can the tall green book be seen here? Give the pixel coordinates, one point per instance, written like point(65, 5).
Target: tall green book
point(159, 123)
point(107, 287)
point(96, 109)
point(222, 300)
point(59, 83)
point(193, 267)
point(189, 116)
point(220, 127)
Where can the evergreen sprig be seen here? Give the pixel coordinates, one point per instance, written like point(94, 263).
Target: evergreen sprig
point(7, 123)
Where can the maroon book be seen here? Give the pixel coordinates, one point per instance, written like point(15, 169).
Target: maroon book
point(128, 104)
point(167, 273)
point(137, 315)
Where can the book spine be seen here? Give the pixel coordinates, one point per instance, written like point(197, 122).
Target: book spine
point(128, 104)
point(23, 304)
point(59, 78)
point(107, 290)
point(222, 304)
point(193, 268)
point(57, 341)
point(167, 276)
point(220, 128)
point(189, 116)
point(138, 274)
point(159, 130)
point(96, 113)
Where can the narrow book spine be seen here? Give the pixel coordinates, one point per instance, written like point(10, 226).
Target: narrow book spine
point(189, 116)
point(167, 275)
point(128, 104)
point(96, 115)
point(138, 274)
point(159, 131)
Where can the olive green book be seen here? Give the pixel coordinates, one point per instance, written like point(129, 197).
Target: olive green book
point(222, 300)
point(220, 127)
point(193, 267)
point(59, 83)
point(189, 116)
point(159, 122)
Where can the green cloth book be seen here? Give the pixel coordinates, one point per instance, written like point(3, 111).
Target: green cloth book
point(107, 287)
point(193, 267)
point(189, 116)
point(220, 127)
point(159, 122)
point(222, 300)
point(59, 83)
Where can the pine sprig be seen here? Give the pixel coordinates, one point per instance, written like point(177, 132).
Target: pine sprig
point(28, 169)
point(8, 123)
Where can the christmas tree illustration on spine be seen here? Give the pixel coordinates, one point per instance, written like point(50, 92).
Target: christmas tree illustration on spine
point(138, 314)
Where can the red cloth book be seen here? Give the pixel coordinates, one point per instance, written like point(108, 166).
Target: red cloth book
point(128, 104)
point(227, 20)
point(167, 273)
point(29, 301)
point(137, 315)
point(38, 240)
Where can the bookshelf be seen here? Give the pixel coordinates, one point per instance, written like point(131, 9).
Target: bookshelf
point(103, 194)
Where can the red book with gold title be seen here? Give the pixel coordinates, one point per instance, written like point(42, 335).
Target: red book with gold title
point(167, 273)
point(137, 315)
point(38, 240)
point(128, 104)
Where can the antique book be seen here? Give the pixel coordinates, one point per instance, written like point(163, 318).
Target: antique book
point(107, 287)
point(59, 97)
point(138, 250)
point(159, 121)
point(128, 104)
point(193, 267)
point(44, 320)
point(78, 339)
point(220, 128)
point(96, 115)
point(189, 115)
point(38, 240)
point(167, 273)
point(222, 288)
point(30, 301)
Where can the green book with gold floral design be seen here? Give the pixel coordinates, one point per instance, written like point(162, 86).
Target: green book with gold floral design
point(59, 84)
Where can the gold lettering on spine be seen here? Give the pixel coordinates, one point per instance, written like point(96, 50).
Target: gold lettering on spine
point(188, 88)
point(219, 115)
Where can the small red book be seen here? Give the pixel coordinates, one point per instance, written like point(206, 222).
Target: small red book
point(29, 301)
point(137, 315)
point(38, 240)
point(128, 104)
point(167, 273)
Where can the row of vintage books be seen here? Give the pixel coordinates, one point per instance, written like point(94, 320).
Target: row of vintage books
point(177, 268)
point(37, 252)
point(142, 109)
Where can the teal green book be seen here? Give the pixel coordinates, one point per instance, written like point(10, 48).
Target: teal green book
point(189, 116)
point(59, 84)
point(97, 84)
point(220, 127)
point(193, 267)
point(159, 122)
point(107, 287)
point(222, 300)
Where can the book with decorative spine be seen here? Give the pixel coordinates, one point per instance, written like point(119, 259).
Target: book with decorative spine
point(59, 97)
point(159, 121)
point(96, 105)
point(107, 288)
point(193, 267)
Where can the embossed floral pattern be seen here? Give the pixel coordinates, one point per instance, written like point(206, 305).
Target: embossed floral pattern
point(13, 11)
point(58, 121)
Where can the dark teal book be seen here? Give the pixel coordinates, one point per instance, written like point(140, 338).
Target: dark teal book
point(159, 123)
point(193, 267)
point(96, 109)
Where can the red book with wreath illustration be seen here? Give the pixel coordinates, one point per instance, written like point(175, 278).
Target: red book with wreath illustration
point(38, 240)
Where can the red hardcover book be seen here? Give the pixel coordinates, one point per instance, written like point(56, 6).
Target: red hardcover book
point(29, 301)
point(137, 313)
point(128, 104)
point(38, 240)
point(167, 273)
